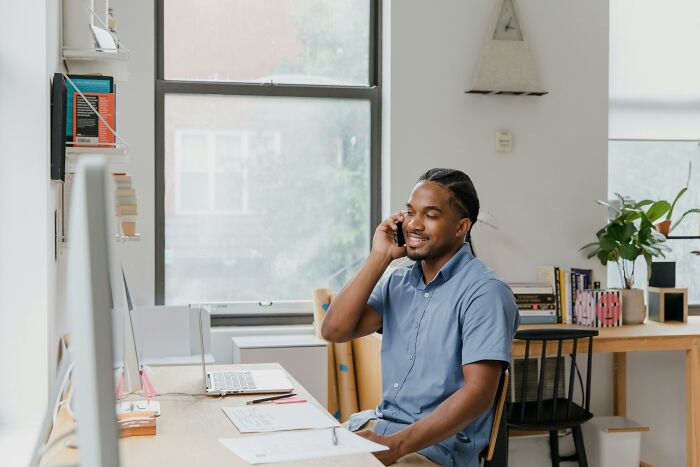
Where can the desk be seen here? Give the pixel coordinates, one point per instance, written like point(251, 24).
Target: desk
point(189, 427)
point(651, 336)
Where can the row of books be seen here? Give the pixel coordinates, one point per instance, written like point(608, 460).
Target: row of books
point(125, 203)
point(536, 302)
point(566, 284)
point(83, 126)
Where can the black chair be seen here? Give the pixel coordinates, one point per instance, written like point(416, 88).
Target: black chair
point(553, 410)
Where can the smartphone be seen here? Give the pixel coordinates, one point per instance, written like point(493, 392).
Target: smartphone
point(398, 235)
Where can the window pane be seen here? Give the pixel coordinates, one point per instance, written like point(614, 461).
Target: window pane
point(193, 191)
point(658, 170)
point(192, 155)
point(323, 42)
point(290, 214)
point(229, 191)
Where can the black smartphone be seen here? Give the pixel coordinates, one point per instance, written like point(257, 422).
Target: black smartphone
point(398, 235)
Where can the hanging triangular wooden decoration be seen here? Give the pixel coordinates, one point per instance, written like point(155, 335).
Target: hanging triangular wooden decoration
point(506, 65)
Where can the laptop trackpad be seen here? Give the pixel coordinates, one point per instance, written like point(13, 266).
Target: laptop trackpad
point(273, 380)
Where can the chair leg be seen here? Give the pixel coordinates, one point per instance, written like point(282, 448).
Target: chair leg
point(578, 442)
point(554, 447)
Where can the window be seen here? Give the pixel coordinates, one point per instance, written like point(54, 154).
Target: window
point(267, 149)
point(655, 119)
point(211, 172)
point(657, 170)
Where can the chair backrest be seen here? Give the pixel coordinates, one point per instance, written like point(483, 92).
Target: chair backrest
point(499, 405)
point(560, 338)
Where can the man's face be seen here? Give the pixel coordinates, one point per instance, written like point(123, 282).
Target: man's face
point(433, 227)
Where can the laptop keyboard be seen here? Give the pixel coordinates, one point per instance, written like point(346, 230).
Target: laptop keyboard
point(232, 381)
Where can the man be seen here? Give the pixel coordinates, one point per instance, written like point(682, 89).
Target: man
point(447, 321)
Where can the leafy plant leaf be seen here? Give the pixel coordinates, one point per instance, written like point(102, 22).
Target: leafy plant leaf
point(629, 252)
point(607, 243)
point(642, 203)
point(588, 245)
point(678, 222)
point(657, 210)
point(673, 205)
point(603, 257)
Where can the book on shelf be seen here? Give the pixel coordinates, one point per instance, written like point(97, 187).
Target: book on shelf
point(598, 308)
point(127, 210)
point(86, 84)
point(88, 128)
point(566, 284)
point(536, 302)
point(125, 203)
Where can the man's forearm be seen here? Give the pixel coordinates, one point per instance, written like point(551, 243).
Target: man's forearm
point(348, 306)
point(449, 418)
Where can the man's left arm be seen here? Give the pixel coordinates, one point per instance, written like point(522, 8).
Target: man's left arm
point(450, 417)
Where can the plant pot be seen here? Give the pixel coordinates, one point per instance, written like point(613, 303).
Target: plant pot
point(664, 227)
point(634, 311)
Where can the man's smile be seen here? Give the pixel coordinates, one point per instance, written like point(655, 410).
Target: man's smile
point(414, 240)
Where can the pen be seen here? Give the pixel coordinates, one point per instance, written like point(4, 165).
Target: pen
point(334, 437)
point(266, 399)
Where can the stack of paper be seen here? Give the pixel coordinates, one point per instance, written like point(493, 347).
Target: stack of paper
point(271, 417)
point(307, 433)
point(296, 445)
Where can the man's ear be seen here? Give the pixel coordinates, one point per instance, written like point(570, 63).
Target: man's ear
point(463, 227)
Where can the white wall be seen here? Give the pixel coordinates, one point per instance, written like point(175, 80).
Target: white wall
point(136, 123)
point(29, 34)
point(542, 193)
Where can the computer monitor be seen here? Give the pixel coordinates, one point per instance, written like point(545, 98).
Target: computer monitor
point(91, 266)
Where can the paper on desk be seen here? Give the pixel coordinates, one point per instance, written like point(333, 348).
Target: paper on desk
point(272, 417)
point(296, 445)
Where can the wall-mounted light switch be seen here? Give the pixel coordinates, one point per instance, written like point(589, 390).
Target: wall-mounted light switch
point(504, 141)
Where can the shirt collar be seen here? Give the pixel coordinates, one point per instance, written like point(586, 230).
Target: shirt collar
point(452, 267)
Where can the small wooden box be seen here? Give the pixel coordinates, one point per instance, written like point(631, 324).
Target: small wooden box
point(667, 304)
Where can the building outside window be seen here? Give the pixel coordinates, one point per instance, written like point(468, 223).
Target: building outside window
point(267, 147)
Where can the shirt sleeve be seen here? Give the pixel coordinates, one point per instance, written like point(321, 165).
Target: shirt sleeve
point(376, 299)
point(489, 321)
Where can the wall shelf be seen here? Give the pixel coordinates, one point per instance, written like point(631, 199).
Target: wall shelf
point(119, 54)
point(117, 150)
point(128, 238)
point(683, 237)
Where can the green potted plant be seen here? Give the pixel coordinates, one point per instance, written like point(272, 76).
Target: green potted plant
point(667, 225)
point(629, 234)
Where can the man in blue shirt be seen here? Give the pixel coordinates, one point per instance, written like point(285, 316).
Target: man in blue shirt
point(447, 321)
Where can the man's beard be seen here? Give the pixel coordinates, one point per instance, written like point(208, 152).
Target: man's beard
point(416, 256)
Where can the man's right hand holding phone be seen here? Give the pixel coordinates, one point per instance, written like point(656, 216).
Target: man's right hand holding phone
point(386, 234)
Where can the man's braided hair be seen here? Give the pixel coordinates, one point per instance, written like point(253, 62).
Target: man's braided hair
point(464, 195)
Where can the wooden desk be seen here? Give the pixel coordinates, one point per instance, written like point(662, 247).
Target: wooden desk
point(189, 427)
point(651, 336)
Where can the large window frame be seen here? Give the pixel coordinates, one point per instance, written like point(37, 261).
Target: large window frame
point(370, 93)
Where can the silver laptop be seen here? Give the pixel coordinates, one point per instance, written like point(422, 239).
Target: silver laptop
point(241, 382)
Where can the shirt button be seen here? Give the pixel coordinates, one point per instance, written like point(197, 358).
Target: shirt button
point(394, 412)
point(396, 385)
point(427, 295)
point(410, 357)
point(415, 325)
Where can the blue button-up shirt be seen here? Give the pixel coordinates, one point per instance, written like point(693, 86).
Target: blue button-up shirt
point(464, 315)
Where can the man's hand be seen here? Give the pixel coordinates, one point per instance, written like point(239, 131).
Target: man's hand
point(385, 457)
point(383, 241)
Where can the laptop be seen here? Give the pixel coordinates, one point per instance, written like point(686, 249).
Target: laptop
point(241, 381)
